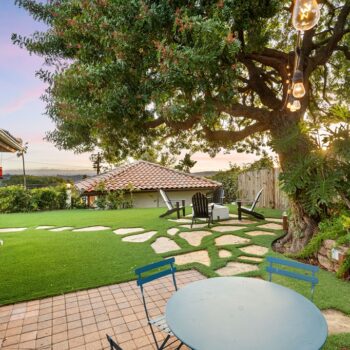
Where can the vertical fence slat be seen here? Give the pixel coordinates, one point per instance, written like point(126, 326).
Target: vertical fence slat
point(250, 182)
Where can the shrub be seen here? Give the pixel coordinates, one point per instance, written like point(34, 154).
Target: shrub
point(17, 199)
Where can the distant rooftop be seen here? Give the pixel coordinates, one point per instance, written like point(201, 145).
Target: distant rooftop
point(145, 176)
point(8, 143)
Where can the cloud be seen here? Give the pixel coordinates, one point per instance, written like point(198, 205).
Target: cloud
point(22, 101)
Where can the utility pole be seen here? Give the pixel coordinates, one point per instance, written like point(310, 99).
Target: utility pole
point(24, 172)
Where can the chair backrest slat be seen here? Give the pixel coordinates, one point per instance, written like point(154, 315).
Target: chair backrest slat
point(144, 280)
point(155, 265)
point(166, 199)
point(256, 200)
point(296, 275)
point(200, 205)
point(291, 263)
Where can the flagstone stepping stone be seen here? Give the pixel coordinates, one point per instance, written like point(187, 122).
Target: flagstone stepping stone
point(1, 242)
point(200, 256)
point(272, 226)
point(194, 226)
point(230, 239)
point(223, 253)
point(337, 321)
point(274, 220)
point(182, 221)
point(251, 258)
point(92, 228)
point(44, 227)
point(227, 228)
point(237, 222)
point(195, 237)
point(59, 229)
point(259, 233)
point(12, 229)
point(173, 231)
point(255, 250)
point(235, 268)
point(164, 244)
point(125, 231)
point(143, 237)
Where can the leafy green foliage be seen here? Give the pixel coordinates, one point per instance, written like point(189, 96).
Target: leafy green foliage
point(16, 199)
point(33, 181)
point(186, 163)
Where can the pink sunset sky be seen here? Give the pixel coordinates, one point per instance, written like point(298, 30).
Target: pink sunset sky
point(22, 111)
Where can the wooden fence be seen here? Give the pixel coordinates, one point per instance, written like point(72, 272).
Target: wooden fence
point(250, 182)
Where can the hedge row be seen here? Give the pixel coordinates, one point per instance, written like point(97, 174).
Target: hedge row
point(14, 199)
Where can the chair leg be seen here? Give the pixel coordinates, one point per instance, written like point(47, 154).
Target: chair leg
point(193, 220)
point(164, 343)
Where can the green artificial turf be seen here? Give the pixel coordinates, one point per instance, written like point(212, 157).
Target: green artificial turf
point(40, 263)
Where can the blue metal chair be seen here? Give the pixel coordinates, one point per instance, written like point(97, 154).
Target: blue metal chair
point(158, 322)
point(299, 276)
point(113, 344)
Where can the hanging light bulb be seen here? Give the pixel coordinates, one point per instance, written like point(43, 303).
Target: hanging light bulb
point(298, 85)
point(306, 14)
point(290, 101)
point(296, 105)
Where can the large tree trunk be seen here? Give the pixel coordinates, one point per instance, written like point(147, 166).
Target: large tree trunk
point(291, 144)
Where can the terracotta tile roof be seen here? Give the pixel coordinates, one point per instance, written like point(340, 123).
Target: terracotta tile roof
point(145, 176)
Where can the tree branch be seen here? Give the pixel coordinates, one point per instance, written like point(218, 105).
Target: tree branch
point(224, 137)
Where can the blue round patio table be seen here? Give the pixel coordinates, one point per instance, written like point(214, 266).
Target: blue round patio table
point(227, 313)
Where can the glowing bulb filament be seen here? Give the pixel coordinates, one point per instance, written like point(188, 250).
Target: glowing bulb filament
point(306, 14)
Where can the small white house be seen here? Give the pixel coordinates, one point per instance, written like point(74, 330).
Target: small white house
point(147, 179)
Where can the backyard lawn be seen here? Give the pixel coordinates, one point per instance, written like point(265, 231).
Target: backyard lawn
point(36, 263)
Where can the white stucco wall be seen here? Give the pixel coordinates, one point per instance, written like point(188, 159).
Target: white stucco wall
point(154, 199)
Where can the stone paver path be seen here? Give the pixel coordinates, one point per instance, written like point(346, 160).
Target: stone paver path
point(125, 231)
point(251, 258)
point(275, 220)
point(272, 226)
point(227, 228)
point(92, 228)
point(194, 238)
point(259, 233)
point(200, 256)
point(164, 245)
point(230, 239)
point(45, 227)
point(182, 221)
point(12, 229)
point(337, 321)
point(194, 226)
point(237, 222)
point(143, 237)
point(235, 268)
point(255, 250)
point(80, 320)
point(223, 253)
point(173, 231)
point(60, 229)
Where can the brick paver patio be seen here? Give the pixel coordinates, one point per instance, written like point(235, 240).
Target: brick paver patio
point(80, 320)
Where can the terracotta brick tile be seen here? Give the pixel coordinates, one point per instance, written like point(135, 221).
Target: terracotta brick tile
point(59, 328)
point(90, 328)
point(61, 345)
point(59, 320)
point(44, 324)
point(76, 332)
point(103, 325)
point(96, 345)
point(101, 318)
point(74, 324)
point(43, 342)
point(28, 345)
point(28, 336)
point(123, 337)
point(13, 331)
point(121, 328)
point(29, 328)
point(57, 314)
point(87, 321)
point(71, 311)
point(114, 314)
point(86, 314)
point(126, 312)
point(141, 341)
point(137, 333)
point(74, 317)
point(74, 342)
point(59, 337)
point(45, 317)
point(128, 345)
point(3, 326)
point(117, 321)
point(42, 333)
point(133, 325)
point(92, 337)
point(14, 339)
point(99, 311)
